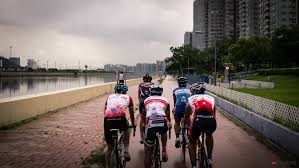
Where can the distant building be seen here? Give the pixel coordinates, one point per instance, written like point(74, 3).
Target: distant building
point(200, 24)
point(215, 21)
point(15, 60)
point(188, 38)
point(231, 18)
point(282, 13)
point(31, 63)
point(161, 66)
point(249, 18)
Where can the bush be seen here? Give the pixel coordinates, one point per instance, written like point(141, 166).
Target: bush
point(280, 71)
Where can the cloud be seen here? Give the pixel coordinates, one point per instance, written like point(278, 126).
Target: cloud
point(95, 31)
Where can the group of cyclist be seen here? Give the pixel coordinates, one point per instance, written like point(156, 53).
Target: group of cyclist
point(192, 106)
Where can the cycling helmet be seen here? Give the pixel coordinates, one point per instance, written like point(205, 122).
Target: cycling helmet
point(198, 88)
point(182, 81)
point(156, 90)
point(147, 78)
point(119, 88)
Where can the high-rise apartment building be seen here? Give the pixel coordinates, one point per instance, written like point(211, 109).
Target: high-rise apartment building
point(231, 18)
point(249, 18)
point(283, 13)
point(188, 38)
point(215, 21)
point(200, 24)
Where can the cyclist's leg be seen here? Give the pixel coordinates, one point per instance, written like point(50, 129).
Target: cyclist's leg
point(109, 143)
point(149, 142)
point(177, 119)
point(126, 137)
point(164, 142)
point(194, 133)
point(210, 126)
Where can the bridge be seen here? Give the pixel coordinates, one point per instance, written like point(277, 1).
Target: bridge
point(64, 137)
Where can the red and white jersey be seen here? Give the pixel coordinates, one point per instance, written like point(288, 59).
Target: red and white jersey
point(117, 105)
point(201, 102)
point(155, 106)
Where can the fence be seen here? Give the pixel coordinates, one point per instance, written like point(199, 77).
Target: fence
point(284, 114)
point(248, 84)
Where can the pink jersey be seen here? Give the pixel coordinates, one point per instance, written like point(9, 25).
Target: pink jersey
point(117, 105)
point(155, 106)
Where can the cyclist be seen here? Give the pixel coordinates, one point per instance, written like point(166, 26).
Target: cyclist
point(203, 120)
point(121, 78)
point(157, 120)
point(143, 93)
point(115, 114)
point(180, 98)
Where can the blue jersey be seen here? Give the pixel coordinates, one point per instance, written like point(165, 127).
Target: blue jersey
point(181, 95)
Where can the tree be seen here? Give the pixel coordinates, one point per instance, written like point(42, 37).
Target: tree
point(285, 44)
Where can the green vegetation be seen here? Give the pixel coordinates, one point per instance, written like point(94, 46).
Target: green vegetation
point(248, 54)
point(95, 159)
point(286, 89)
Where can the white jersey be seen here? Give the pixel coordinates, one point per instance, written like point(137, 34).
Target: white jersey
point(198, 101)
point(155, 106)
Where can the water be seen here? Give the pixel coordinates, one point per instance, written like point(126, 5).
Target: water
point(17, 86)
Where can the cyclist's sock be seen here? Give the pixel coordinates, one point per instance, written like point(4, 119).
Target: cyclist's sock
point(193, 162)
point(126, 148)
point(210, 156)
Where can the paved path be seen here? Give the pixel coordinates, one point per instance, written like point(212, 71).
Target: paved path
point(234, 148)
point(61, 139)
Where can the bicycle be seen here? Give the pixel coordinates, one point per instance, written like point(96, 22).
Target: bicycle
point(118, 155)
point(184, 140)
point(201, 156)
point(156, 156)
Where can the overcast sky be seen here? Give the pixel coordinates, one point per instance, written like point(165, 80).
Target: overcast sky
point(94, 32)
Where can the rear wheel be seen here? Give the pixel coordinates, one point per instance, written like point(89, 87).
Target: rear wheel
point(184, 144)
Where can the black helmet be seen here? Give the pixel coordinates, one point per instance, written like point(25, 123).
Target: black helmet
point(147, 78)
point(156, 90)
point(198, 88)
point(120, 88)
point(182, 81)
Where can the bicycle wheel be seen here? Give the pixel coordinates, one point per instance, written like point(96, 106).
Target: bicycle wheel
point(116, 154)
point(156, 157)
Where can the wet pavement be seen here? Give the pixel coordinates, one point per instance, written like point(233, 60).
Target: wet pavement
point(61, 139)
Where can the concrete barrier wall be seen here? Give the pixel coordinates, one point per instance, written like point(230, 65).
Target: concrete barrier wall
point(14, 110)
point(278, 134)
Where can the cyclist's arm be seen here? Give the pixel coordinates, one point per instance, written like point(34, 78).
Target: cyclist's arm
point(174, 99)
point(167, 112)
point(139, 92)
point(131, 110)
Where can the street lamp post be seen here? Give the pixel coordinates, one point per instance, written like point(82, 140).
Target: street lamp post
point(215, 76)
point(10, 52)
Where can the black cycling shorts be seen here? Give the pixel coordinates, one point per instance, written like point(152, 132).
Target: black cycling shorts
point(120, 123)
point(203, 123)
point(150, 133)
